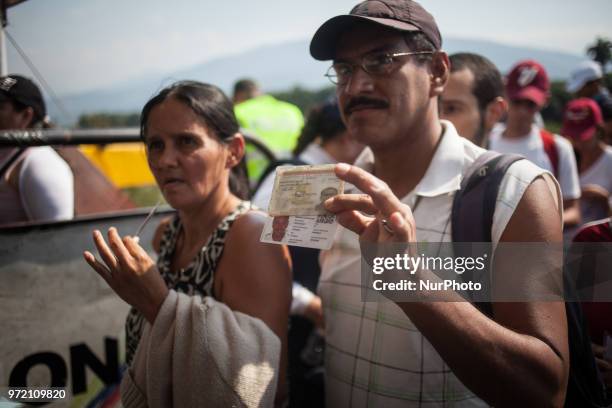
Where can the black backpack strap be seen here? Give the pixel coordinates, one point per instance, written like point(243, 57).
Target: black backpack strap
point(473, 209)
point(11, 158)
point(474, 203)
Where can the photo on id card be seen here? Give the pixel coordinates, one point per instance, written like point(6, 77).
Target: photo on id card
point(310, 231)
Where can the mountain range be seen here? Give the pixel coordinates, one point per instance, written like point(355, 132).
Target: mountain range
point(278, 67)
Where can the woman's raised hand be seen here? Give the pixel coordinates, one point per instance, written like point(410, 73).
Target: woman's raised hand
point(377, 215)
point(129, 271)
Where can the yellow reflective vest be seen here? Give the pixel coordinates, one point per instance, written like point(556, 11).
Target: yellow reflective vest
point(276, 123)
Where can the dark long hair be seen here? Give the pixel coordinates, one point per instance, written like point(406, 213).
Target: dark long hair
point(323, 121)
point(216, 111)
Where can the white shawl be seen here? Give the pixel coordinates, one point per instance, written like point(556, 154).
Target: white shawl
point(201, 353)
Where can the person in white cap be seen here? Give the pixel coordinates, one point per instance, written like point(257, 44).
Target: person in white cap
point(586, 81)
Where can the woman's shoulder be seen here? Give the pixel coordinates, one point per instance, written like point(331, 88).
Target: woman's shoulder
point(248, 225)
point(245, 235)
point(244, 252)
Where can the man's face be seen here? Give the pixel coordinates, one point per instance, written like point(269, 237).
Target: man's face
point(522, 111)
point(328, 193)
point(279, 227)
point(381, 110)
point(10, 118)
point(459, 105)
point(589, 89)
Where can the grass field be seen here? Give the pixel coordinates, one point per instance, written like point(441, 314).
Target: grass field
point(146, 196)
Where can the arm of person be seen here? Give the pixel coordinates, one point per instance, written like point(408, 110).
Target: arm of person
point(595, 192)
point(571, 213)
point(255, 279)
point(520, 357)
point(523, 350)
point(197, 333)
point(597, 196)
point(603, 364)
point(46, 186)
point(307, 304)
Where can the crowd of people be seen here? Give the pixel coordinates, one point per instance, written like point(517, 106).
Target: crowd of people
point(221, 319)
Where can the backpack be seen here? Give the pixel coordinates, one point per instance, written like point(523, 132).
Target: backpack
point(550, 148)
point(471, 219)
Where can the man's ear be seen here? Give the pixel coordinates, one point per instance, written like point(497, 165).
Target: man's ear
point(236, 148)
point(25, 118)
point(440, 72)
point(494, 112)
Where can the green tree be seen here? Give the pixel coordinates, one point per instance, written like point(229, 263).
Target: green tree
point(108, 120)
point(608, 81)
point(304, 98)
point(559, 97)
point(601, 51)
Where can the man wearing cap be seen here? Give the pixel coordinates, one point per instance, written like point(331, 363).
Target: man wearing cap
point(36, 184)
point(583, 125)
point(473, 100)
point(586, 81)
point(390, 71)
point(277, 123)
point(527, 88)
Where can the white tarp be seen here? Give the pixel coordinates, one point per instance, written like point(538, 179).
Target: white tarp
point(58, 315)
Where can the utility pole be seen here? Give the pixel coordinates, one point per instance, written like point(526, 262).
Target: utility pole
point(3, 56)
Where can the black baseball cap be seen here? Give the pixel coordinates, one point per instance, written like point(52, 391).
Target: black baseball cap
point(401, 15)
point(22, 90)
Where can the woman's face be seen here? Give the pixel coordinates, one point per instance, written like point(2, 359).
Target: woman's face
point(585, 145)
point(187, 160)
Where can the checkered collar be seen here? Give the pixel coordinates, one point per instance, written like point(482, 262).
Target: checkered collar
point(443, 175)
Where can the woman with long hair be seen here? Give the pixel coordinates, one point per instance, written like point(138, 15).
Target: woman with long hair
point(208, 323)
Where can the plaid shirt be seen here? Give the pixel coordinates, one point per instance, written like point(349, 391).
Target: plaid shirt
point(375, 357)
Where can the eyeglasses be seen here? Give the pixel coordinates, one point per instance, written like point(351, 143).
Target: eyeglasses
point(374, 64)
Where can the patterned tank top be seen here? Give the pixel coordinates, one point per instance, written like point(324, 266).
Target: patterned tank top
point(195, 279)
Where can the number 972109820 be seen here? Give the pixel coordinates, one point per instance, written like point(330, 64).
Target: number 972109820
point(34, 394)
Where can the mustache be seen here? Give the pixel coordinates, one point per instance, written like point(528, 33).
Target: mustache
point(364, 101)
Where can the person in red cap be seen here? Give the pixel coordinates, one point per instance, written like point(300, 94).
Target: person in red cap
point(389, 69)
point(583, 125)
point(587, 81)
point(527, 89)
point(597, 313)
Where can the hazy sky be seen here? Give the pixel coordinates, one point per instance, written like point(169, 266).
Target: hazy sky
point(88, 44)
